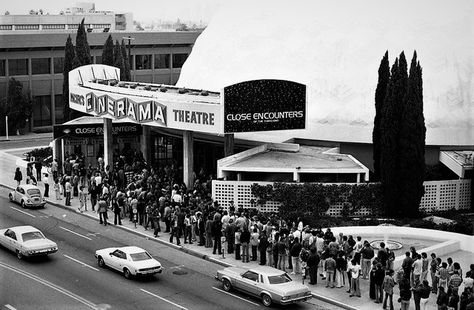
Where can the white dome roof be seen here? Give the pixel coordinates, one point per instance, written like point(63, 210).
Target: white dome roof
point(335, 47)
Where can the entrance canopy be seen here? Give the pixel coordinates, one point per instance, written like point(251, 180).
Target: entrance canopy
point(259, 105)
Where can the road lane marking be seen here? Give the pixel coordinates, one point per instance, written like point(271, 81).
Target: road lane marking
point(78, 261)
point(10, 307)
point(222, 291)
point(73, 232)
point(164, 299)
point(50, 285)
point(176, 267)
point(22, 212)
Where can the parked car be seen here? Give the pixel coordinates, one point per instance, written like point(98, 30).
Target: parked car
point(26, 241)
point(130, 260)
point(270, 284)
point(27, 195)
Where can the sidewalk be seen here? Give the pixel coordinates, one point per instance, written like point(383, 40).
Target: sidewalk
point(27, 136)
point(336, 296)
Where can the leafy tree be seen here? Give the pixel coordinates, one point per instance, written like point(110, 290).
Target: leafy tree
point(70, 55)
point(412, 143)
point(83, 51)
point(108, 52)
point(18, 106)
point(380, 92)
point(126, 59)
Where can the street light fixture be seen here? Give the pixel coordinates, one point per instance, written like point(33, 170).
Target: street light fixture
point(129, 39)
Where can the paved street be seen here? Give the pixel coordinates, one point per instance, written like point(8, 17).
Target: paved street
point(71, 279)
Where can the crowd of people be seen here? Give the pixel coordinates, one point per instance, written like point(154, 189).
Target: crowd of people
point(154, 198)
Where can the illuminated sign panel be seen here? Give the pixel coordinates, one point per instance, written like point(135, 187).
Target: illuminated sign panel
point(264, 105)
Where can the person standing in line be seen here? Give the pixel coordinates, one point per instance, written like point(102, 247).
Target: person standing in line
point(38, 167)
point(230, 235)
point(443, 299)
point(313, 263)
point(217, 234)
point(174, 229)
point(367, 253)
point(46, 185)
point(102, 210)
point(156, 215)
point(262, 248)
point(405, 294)
point(417, 269)
point(245, 240)
point(18, 176)
point(54, 168)
point(379, 276)
point(295, 255)
point(237, 243)
point(425, 263)
point(116, 209)
point(68, 190)
point(433, 272)
point(341, 267)
point(57, 189)
point(330, 268)
point(254, 239)
point(208, 230)
point(424, 292)
point(201, 227)
point(282, 252)
point(388, 284)
point(187, 228)
point(355, 275)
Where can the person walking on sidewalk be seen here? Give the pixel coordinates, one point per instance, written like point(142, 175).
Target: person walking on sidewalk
point(18, 176)
point(174, 228)
point(102, 210)
point(46, 185)
point(156, 216)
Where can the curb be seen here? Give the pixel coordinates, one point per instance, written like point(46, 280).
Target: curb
point(184, 250)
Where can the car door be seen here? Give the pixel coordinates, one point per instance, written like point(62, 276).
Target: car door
point(16, 194)
point(11, 240)
point(250, 282)
point(117, 259)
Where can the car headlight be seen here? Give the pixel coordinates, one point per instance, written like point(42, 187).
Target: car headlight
point(28, 200)
point(285, 298)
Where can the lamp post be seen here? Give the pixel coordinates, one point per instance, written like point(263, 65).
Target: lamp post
point(6, 126)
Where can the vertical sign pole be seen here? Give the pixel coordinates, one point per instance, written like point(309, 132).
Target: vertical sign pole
point(6, 125)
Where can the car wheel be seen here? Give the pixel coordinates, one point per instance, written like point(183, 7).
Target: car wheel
point(23, 204)
point(266, 300)
point(100, 262)
point(127, 274)
point(226, 285)
point(19, 255)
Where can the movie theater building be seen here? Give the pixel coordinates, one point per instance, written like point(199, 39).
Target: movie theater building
point(36, 59)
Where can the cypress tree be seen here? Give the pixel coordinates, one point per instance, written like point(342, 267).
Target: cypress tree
point(69, 57)
point(119, 62)
point(412, 143)
point(82, 47)
point(126, 60)
point(108, 52)
point(380, 92)
point(393, 107)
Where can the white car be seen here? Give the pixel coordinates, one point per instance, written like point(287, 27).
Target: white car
point(130, 260)
point(26, 241)
point(27, 195)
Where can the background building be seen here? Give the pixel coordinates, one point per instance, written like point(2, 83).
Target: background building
point(36, 59)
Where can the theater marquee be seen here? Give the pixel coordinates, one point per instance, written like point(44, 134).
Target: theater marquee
point(142, 107)
point(264, 105)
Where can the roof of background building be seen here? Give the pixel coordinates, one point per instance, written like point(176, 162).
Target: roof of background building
point(44, 39)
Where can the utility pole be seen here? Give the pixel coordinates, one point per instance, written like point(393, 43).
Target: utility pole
point(129, 38)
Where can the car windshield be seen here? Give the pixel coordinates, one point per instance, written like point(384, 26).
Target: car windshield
point(34, 192)
point(32, 235)
point(282, 278)
point(140, 256)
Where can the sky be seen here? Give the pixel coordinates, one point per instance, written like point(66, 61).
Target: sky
point(143, 10)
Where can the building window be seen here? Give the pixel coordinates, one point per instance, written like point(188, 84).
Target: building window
point(100, 26)
point(179, 59)
point(162, 61)
point(6, 27)
point(58, 64)
point(98, 59)
point(40, 65)
point(26, 27)
point(54, 26)
point(18, 66)
point(74, 26)
point(42, 111)
point(59, 108)
point(143, 62)
point(2, 67)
